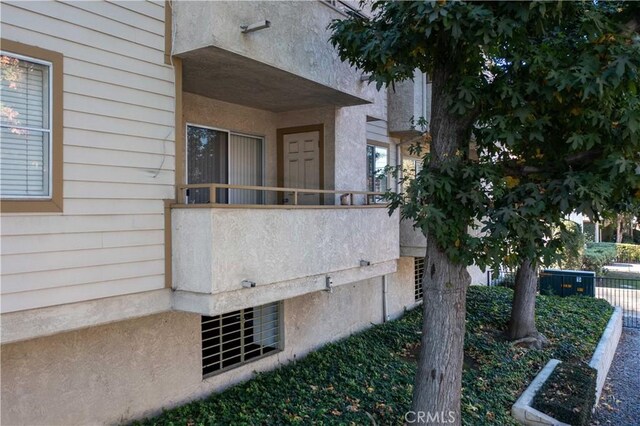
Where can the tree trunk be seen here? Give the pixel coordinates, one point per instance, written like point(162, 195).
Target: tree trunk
point(438, 384)
point(619, 222)
point(522, 326)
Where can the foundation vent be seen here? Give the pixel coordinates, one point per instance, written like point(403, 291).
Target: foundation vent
point(235, 338)
point(418, 274)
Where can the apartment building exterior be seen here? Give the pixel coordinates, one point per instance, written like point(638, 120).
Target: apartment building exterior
point(189, 196)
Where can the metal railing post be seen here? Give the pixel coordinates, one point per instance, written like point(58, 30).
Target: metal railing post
point(212, 194)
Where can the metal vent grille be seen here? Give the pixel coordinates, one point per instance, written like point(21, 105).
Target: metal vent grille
point(418, 274)
point(235, 338)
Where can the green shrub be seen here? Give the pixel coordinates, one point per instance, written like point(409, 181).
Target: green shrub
point(569, 394)
point(628, 253)
point(597, 255)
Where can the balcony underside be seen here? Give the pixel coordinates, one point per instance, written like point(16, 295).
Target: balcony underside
point(220, 74)
point(286, 252)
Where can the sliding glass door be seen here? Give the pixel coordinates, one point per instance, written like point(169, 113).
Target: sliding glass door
point(219, 156)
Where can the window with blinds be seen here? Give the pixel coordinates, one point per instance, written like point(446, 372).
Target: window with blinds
point(25, 127)
point(234, 338)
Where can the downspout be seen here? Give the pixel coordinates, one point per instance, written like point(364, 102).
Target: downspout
point(398, 164)
point(385, 314)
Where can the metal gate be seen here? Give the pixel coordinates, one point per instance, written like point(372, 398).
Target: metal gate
point(624, 293)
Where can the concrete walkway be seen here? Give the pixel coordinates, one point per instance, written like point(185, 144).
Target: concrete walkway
point(620, 400)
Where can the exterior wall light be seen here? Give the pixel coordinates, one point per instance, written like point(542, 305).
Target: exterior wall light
point(261, 25)
point(365, 263)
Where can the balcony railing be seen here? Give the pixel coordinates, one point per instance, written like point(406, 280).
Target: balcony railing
point(217, 194)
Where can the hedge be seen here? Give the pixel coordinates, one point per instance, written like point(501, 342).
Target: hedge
point(598, 255)
point(368, 377)
point(628, 253)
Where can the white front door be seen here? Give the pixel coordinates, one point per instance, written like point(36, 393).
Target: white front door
point(302, 166)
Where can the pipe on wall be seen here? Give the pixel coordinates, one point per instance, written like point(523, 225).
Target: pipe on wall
point(385, 308)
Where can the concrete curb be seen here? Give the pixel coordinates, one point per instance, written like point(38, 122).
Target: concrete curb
point(606, 349)
point(601, 360)
point(522, 410)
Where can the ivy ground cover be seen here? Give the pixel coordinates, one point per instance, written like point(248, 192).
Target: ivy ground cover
point(369, 376)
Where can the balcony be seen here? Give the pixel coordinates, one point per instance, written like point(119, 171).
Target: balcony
point(228, 257)
point(286, 65)
point(413, 242)
point(409, 101)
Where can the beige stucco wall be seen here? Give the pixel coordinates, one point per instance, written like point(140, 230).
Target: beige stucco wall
point(214, 249)
point(296, 41)
point(401, 288)
point(118, 372)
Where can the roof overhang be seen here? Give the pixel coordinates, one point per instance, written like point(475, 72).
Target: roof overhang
point(227, 76)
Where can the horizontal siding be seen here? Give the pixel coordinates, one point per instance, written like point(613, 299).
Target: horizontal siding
point(117, 174)
point(377, 131)
point(96, 23)
point(117, 191)
point(111, 139)
point(107, 62)
point(118, 156)
point(101, 123)
point(27, 244)
point(22, 18)
point(62, 295)
point(114, 14)
point(108, 108)
point(37, 224)
point(116, 92)
point(33, 262)
point(109, 157)
point(144, 8)
point(79, 276)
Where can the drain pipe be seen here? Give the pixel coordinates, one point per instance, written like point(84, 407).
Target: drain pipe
point(385, 314)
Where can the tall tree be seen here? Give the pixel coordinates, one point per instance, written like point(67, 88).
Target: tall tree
point(470, 52)
point(565, 130)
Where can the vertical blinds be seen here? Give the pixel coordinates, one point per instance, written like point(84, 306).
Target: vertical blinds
point(25, 128)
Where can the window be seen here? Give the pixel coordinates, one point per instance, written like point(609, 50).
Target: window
point(30, 128)
point(410, 168)
point(221, 156)
point(418, 275)
point(377, 160)
point(235, 338)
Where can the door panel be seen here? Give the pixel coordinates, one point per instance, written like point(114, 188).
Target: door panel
point(302, 166)
point(245, 168)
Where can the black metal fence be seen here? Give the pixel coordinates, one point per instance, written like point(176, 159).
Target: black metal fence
point(624, 293)
point(621, 292)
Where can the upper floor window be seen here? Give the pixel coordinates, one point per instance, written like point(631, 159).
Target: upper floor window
point(377, 160)
point(30, 130)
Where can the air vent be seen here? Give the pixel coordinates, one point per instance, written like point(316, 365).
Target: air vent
point(235, 338)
